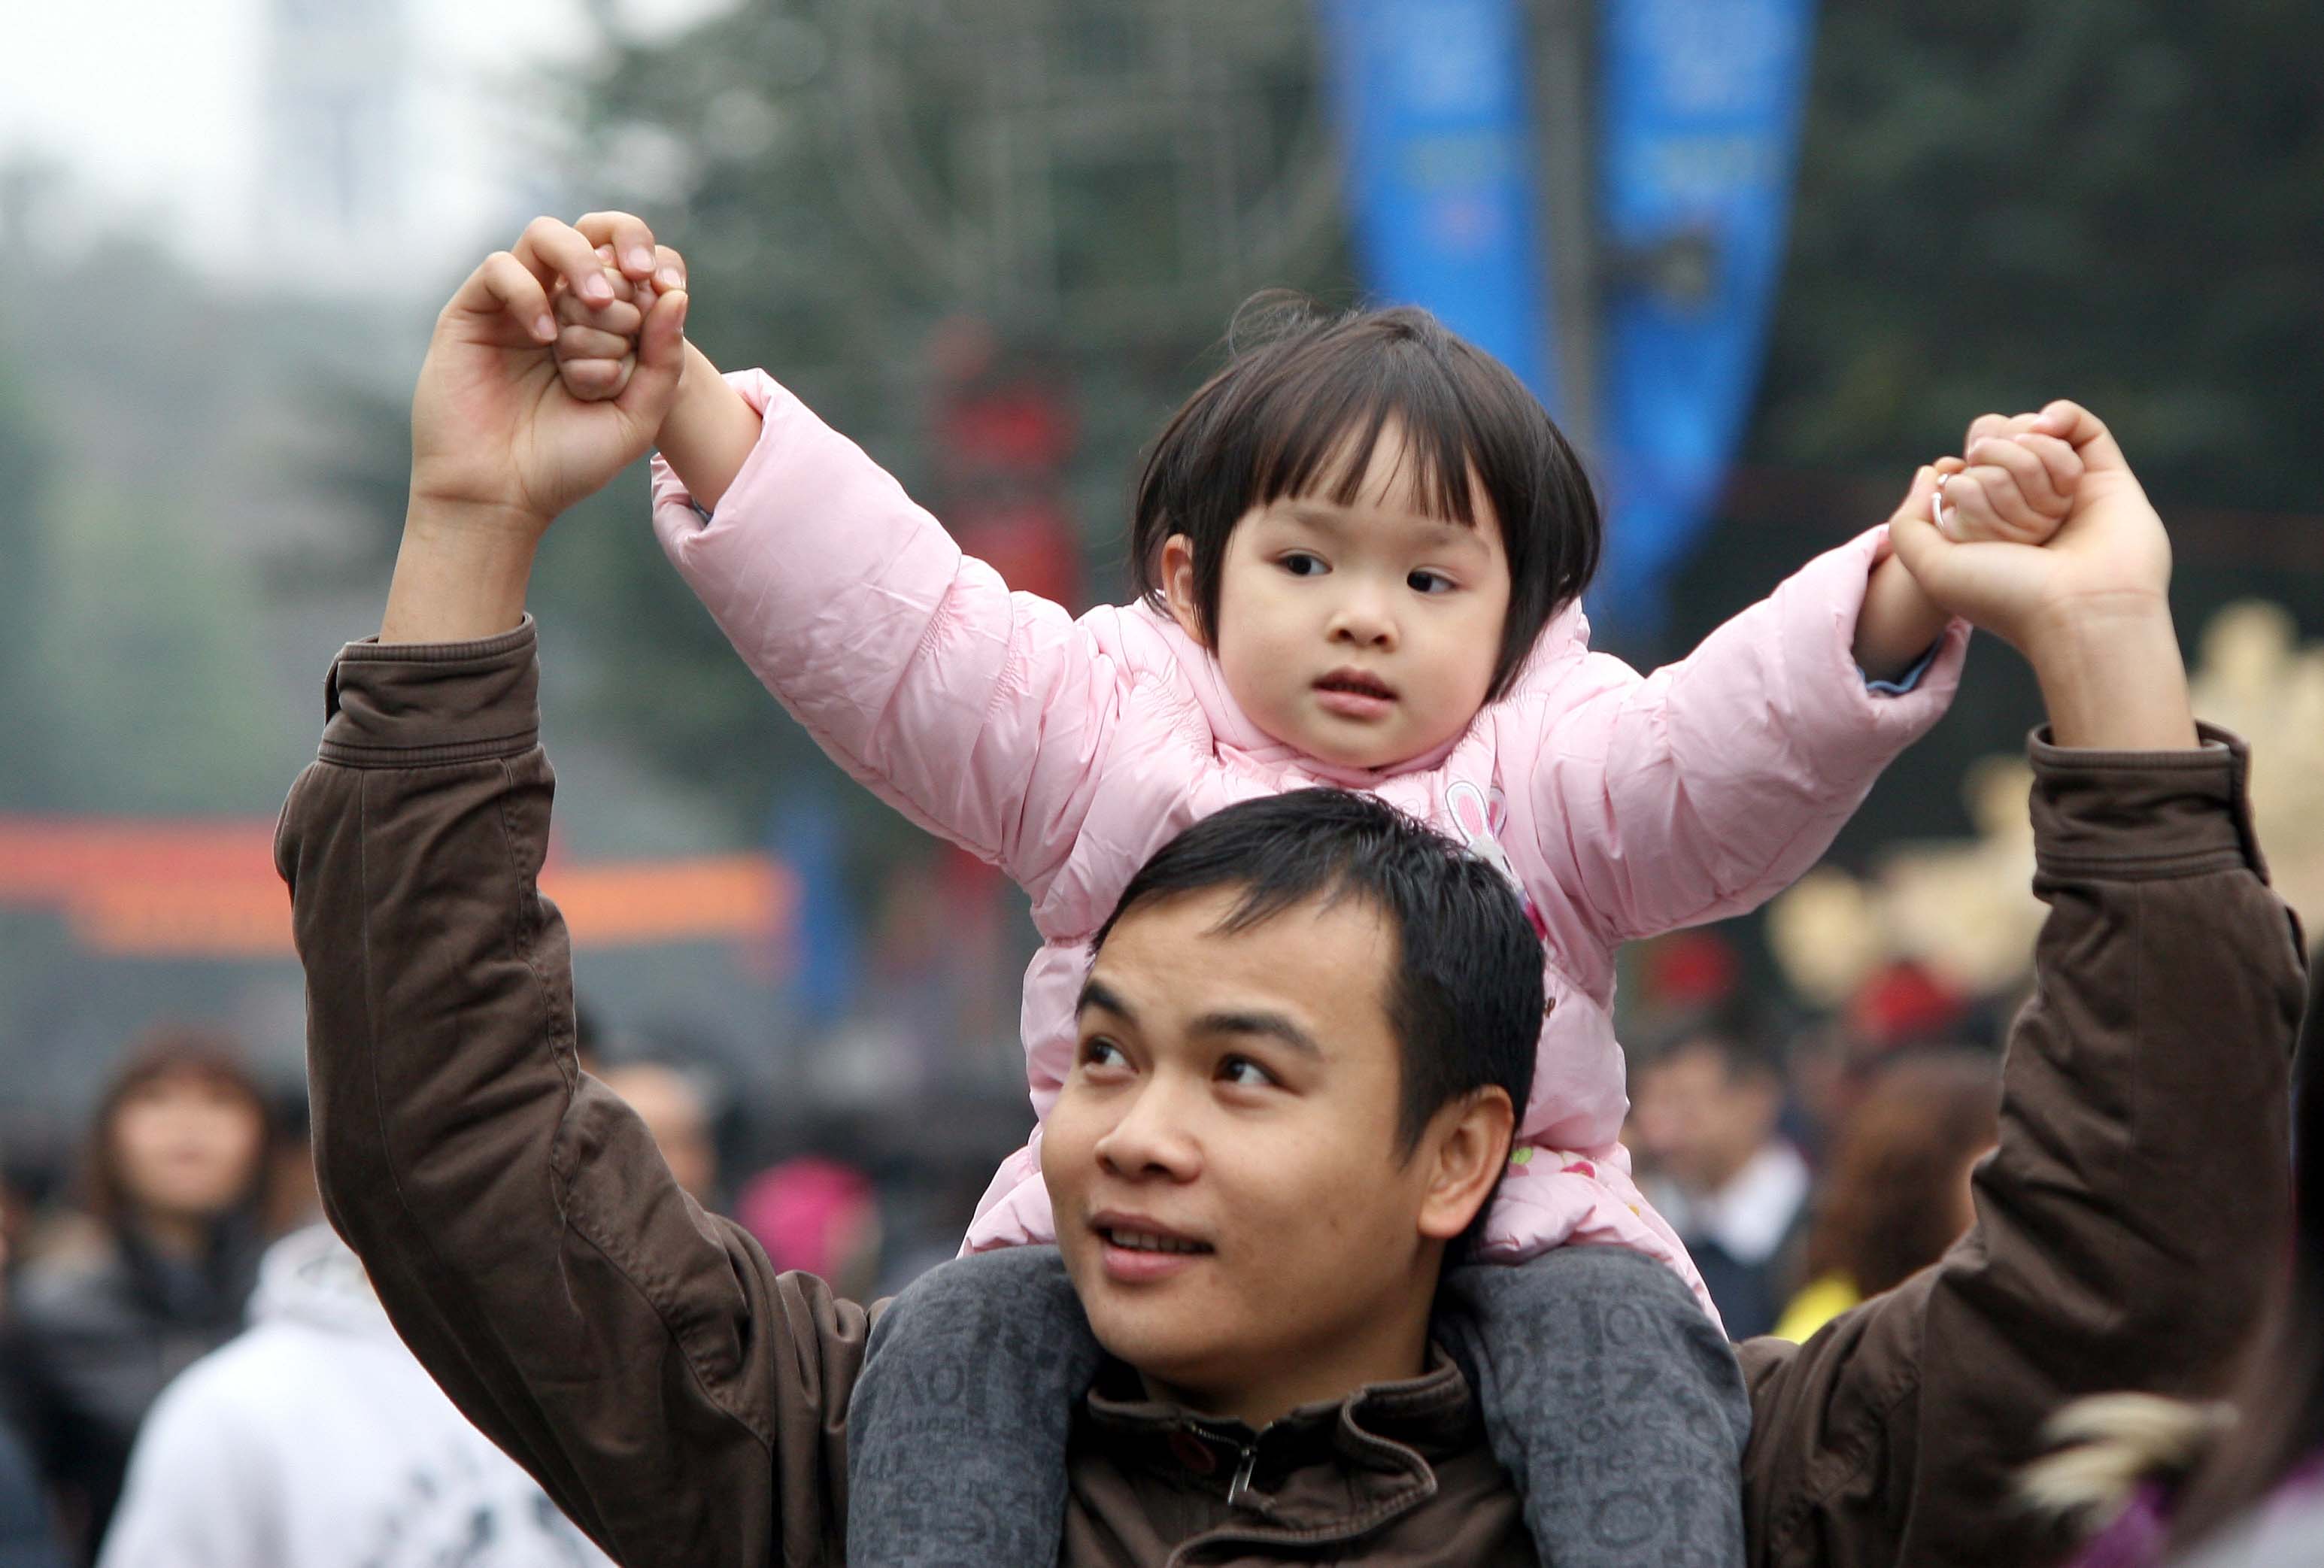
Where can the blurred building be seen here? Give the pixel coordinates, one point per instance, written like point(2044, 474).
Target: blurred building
point(332, 199)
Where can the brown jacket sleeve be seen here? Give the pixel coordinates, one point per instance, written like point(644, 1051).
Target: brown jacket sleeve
point(2126, 1226)
point(639, 1356)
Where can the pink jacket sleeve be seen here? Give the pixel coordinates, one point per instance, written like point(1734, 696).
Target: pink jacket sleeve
point(976, 712)
point(1703, 789)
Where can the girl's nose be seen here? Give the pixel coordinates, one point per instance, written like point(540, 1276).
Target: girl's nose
point(1361, 619)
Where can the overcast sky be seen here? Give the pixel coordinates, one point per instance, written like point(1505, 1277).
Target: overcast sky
point(155, 109)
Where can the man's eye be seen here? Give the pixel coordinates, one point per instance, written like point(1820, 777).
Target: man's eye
point(1300, 564)
point(1246, 1074)
point(1429, 583)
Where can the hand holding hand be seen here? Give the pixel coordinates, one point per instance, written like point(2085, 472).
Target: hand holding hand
point(2091, 609)
point(494, 431)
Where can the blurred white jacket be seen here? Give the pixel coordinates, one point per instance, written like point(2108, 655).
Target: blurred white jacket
point(314, 1439)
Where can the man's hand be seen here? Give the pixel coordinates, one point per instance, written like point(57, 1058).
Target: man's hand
point(492, 427)
point(2091, 609)
point(499, 447)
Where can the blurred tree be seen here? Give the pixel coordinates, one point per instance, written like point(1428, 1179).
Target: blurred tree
point(24, 711)
point(2116, 200)
point(1101, 181)
point(137, 655)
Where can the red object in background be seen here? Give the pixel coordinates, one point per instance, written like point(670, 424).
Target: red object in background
point(1690, 970)
point(1904, 1005)
point(1004, 428)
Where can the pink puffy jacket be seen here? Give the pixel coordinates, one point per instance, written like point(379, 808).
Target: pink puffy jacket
point(1065, 751)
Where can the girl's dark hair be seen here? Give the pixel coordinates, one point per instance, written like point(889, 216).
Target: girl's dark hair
point(1885, 1215)
point(1466, 996)
point(1297, 412)
point(169, 1051)
point(2279, 1406)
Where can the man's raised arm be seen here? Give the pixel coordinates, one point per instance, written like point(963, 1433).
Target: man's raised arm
point(2128, 1221)
point(639, 1356)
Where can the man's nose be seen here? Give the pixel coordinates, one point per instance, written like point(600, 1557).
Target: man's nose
point(1154, 1137)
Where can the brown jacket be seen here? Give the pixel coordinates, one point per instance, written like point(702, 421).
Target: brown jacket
point(687, 1404)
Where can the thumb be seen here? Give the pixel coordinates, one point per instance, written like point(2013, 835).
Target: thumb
point(661, 356)
point(2086, 433)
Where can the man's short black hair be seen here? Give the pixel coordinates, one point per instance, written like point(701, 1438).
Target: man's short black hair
point(1298, 410)
point(1465, 996)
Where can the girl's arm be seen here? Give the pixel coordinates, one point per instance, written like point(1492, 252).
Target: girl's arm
point(978, 712)
point(1702, 789)
point(710, 430)
point(1896, 627)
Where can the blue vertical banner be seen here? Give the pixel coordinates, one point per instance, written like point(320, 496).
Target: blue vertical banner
point(822, 966)
point(1698, 134)
point(1436, 145)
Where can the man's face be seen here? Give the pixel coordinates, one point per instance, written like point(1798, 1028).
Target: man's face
point(1224, 1163)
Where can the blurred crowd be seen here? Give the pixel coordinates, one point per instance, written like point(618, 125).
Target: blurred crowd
point(190, 1356)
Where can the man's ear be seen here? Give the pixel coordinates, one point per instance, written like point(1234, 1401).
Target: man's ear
point(1178, 586)
point(1466, 1145)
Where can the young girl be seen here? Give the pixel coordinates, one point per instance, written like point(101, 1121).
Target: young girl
point(1359, 551)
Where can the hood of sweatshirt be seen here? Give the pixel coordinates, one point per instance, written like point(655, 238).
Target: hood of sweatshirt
point(312, 1278)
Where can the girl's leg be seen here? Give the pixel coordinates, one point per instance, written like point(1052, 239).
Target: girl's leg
point(956, 1433)
point(1614, 1404)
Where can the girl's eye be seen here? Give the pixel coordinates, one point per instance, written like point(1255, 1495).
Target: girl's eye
point(1102, 1055)
point(1425, 582)
point(1245, 1074)
point(1300, 564)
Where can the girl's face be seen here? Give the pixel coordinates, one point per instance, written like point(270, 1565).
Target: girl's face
point(188, 1143)
point(1364, 635)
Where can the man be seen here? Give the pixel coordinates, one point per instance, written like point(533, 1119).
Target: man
point(686, 1405)
point(1704, 1110)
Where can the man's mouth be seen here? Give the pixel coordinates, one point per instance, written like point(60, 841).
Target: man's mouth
point(1142, 1251)
point(1146, 1241)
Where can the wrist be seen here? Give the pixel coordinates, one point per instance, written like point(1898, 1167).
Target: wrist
point(2112, 677)
point(461, 572)
point(1897, 622)
point(710, 432)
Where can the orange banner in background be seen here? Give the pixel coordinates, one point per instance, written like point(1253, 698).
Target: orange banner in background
point(208, 889)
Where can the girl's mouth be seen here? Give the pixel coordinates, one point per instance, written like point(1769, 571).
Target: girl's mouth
point(1355, 694)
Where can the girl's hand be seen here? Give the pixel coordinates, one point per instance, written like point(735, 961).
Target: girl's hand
point(596, 342)
point(2015, 483)
point(497, 440)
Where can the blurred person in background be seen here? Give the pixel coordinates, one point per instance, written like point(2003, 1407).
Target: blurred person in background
point(176, 1172)
point(1896, 1193)
point(1900, 1007)
point(677, 1113)
point(819, 1217)
point(26, 1538)
point(1704, 1112)
point(315, 1439)
point(291, 1200)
